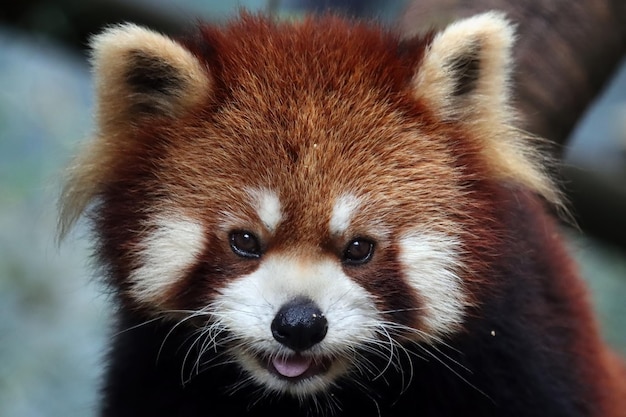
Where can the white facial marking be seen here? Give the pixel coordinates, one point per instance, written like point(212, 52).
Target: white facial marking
point(342, 213)
point(165, 255)
point(247, 306)
point(268, 208)
point(431, 262)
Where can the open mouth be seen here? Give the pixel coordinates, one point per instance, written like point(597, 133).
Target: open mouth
point(296, 367)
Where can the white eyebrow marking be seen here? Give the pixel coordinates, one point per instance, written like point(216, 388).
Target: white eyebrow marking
point(268, 207)
point(342, 213)
point(165, 255)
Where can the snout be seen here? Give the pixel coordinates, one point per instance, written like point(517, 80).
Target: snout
point(299, 324)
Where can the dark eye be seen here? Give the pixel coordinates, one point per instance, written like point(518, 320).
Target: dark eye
point(358, 251)
point(245, 244)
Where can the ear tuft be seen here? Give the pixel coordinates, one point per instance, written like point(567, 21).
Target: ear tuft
point(465, 65)
point(142, 73)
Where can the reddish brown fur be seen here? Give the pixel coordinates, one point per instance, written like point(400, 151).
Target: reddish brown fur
point(363, 120)
point(312, 114)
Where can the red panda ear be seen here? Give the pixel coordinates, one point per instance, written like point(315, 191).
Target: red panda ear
point(464, 77)
point(465, 70)
point(141, 74)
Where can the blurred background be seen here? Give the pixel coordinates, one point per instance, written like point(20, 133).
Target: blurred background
point(53, 313)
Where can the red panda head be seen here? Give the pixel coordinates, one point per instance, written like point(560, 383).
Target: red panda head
point(311, 193)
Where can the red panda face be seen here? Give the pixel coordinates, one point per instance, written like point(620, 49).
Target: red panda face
point(300, 257)
point(306, 196)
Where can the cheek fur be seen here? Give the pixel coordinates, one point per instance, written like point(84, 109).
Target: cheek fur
point(164, 257)
point(431, 265)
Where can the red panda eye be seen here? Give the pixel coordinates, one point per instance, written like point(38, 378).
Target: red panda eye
point(245, 244)
point(358, 251)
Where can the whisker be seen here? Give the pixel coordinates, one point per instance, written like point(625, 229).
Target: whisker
point(391, 351)
point(368, 393)
point(191, 316)
point(441, 361)
point(145, 323)
point(389, 347)
point(402, 310)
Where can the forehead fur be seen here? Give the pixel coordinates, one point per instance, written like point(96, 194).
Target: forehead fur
point(314, 110)
point(314, 55)
point(318, 107)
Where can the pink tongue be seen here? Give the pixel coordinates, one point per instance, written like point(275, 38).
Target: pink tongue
point(291, 367)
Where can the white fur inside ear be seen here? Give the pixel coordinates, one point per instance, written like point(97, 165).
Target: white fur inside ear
point(431, 265)
point(486, 38)
point(116, 53)
point(126, 37)
point(165, 256)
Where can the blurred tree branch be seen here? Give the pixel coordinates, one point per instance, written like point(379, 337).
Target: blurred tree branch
point(565, 53)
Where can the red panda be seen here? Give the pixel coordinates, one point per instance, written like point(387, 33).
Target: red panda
point(319, 217)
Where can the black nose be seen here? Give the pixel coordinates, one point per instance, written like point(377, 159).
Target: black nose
point(299, 324)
